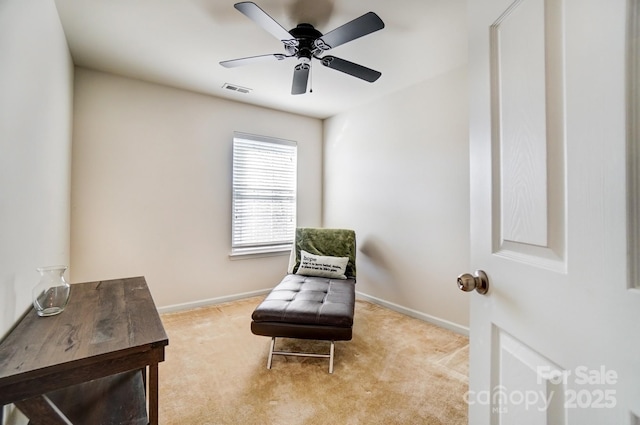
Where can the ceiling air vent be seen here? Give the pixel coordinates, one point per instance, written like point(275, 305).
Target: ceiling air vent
point(234, 87)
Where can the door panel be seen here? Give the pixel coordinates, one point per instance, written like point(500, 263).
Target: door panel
point(527, 98)
point(528, 388)
point(549, 112)
point(519, 135)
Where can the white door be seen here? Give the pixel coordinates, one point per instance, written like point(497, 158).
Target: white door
point(554, 100)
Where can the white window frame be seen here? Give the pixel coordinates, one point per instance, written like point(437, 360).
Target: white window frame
point(264, 194)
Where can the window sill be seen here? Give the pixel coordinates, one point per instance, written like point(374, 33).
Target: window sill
point(258, 253)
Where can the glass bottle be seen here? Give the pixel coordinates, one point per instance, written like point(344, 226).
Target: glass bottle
point(51, 294)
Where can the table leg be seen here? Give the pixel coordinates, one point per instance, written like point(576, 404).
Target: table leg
point(153, 394)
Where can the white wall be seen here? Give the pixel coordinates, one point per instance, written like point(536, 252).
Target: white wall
point(151, 190)
point(36, 82)
point(396, 171)
point(151, 187)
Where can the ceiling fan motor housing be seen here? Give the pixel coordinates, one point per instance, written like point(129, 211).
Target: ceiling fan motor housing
point(306, 35)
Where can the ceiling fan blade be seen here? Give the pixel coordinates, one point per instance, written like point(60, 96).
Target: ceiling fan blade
point(252, 59)
point(366, 24)
point(351, 68)
point(300, 78)
point(260, 17)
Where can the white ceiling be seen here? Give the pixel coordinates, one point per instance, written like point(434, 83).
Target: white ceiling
point(181, 42)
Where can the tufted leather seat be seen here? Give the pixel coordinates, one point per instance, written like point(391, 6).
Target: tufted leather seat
point(307, 307)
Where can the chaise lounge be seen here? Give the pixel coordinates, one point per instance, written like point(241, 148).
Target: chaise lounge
point(316, 299)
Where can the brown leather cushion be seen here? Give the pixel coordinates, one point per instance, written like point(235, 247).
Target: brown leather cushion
point(309, 307)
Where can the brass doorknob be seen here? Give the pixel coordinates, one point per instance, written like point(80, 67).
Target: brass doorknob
point(478, 281)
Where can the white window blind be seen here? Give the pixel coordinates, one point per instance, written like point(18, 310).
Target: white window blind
point(264, 193)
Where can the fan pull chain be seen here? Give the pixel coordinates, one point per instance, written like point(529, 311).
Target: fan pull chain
point(310, 78)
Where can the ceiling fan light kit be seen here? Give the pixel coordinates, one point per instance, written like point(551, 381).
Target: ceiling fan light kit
point(305, 43)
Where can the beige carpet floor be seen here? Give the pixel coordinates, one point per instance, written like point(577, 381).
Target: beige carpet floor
point(396, 370)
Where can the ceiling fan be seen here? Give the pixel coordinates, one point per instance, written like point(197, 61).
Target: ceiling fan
point(304, 43)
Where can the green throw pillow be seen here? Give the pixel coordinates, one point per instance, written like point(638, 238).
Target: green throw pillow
point(325, 242)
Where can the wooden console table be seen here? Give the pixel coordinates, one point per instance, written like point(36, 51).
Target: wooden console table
point(91, 363)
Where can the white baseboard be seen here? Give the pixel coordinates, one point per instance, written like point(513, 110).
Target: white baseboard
point(211, 301)
point(463, 330)
point(391, 306)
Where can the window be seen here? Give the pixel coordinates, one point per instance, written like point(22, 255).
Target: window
point(264, 194)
